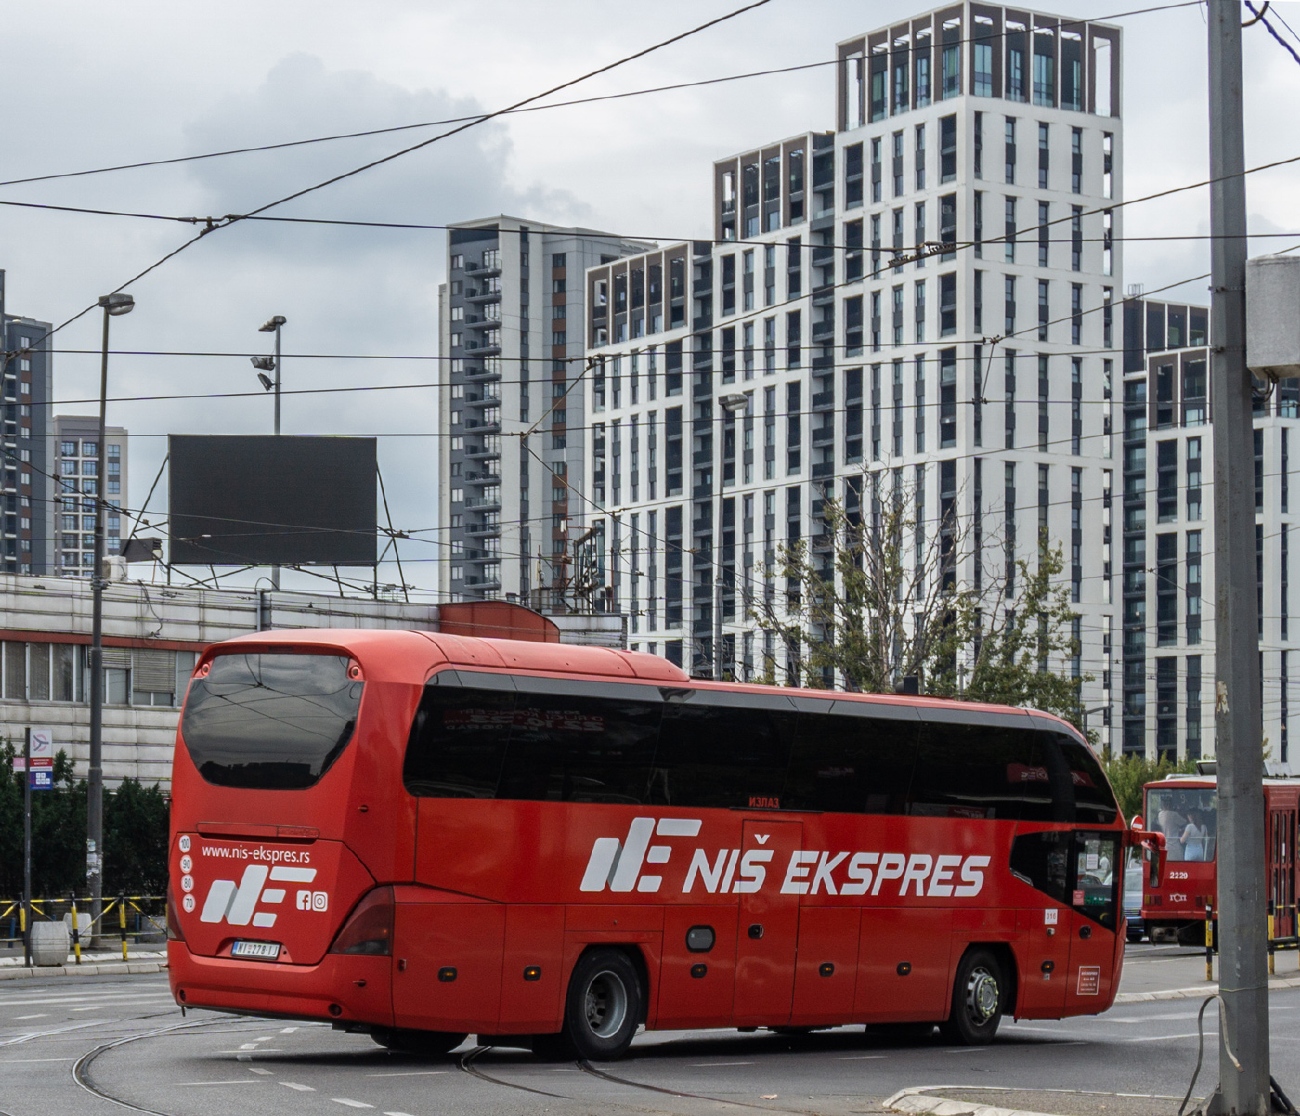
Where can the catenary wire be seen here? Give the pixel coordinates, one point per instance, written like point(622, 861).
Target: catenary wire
point(214, 224)
point(474, 118)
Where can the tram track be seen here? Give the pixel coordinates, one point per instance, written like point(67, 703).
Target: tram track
point(81, 1067)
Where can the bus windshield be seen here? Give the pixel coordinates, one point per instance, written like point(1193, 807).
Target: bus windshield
point(1189, 819)
point(270, 722)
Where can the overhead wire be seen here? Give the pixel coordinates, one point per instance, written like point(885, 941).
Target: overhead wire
point(213, 224)
point(525, 108)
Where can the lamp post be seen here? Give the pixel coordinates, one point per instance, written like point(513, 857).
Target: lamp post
point(732, 404)
point(263, 366)
point(114, 305)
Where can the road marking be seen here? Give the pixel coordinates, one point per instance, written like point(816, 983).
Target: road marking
point(287, 1030)
point(295, 1085)
point(714, 1065)
point(409, 1073)
point(25, 1061)
point(264, 1073)
point(351, 1103)
point(1167, 1038)
point(967, 1050)
point(397, 1114)
point(250, 1045)
point(241, 1081)
point(38, 1015)
point(861, 1057)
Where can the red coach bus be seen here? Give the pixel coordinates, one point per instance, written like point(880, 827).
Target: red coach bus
point(1184, 808)
point(423, 836)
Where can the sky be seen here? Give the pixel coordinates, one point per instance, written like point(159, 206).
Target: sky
point(88, 85)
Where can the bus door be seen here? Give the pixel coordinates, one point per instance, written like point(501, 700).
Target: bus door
point(767, 936)
point(1042, 860)
point(1094, 917)
point(1281, 856)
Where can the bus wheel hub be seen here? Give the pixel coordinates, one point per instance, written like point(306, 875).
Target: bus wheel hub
point(982, 995)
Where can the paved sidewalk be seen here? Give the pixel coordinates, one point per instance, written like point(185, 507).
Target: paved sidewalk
point(100, 963)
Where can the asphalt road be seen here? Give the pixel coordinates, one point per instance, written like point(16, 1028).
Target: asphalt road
point(69, 1044)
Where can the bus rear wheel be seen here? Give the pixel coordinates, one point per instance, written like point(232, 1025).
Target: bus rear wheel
point(978, 996)
point(430, 1044)
point(604, 1005)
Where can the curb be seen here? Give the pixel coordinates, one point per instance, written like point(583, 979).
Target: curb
point(913, 1100)
point(98, 968)
point(1197, 992)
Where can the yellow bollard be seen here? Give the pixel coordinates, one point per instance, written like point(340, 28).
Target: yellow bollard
point(1272, 971)
point(121, 922)
point(1209, 943)
point(76, 934)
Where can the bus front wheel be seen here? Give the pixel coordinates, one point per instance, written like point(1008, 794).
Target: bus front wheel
point(604, 1005)
point(978, 996)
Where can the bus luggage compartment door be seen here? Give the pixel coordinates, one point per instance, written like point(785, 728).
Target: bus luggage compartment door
point(1095, 919)
point(767, 936)
point(447, 962)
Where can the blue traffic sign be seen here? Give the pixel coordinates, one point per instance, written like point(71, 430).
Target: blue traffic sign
point(42, 778)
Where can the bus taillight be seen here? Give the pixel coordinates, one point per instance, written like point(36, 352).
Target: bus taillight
point(174, 931)
point(369, 929)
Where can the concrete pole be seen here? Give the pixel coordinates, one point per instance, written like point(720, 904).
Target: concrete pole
point(1243, 978)
point(275, 570)
point(95, 772)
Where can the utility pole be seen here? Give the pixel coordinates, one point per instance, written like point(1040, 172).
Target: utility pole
point(115, 305)
point(1243, 978)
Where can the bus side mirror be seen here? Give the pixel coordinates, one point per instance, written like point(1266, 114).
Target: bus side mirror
point(1153, 845)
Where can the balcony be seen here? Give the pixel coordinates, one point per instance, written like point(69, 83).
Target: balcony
point(482, 375)
point(823, 331)
point(482, 350)
point(484, 268)
point(481, 504)
point(823, 401)
point(477, 426)
point(823, 436)
point(481, 295)
point(482, 453)
point(825, 469)
point(485, 400)
point(480, 530)
point(482, 478)
point(475, 321)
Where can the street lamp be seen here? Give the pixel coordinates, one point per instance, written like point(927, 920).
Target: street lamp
point(265, 364)
point(734, 403)
point(115, 305)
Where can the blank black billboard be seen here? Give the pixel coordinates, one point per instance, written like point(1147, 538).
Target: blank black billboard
point(263, 500)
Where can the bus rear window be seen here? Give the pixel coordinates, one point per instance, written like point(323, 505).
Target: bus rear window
point(270, 721)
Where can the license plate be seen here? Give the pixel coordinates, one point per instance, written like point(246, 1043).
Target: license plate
point(257, 951)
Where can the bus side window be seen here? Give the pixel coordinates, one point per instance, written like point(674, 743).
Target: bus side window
point(458, 742)
point(581, 748)
point(973, 771)
point(732, 755)
point(850, 762)
point(1042, 860)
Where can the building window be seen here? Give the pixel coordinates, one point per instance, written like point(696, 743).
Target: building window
point(947, 149)
point(1009, 232)
point(1167, 481)
point(1044, 153)
point(1010, 147)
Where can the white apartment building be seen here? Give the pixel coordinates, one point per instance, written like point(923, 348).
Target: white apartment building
point(919, 301)
point(512, 445)
point(76, 440)
point(1168, 538)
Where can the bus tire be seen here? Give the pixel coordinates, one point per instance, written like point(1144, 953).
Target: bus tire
point(978, 996)
point(430, 1044)
point(604, 1005)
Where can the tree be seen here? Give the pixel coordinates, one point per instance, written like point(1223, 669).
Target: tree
point(1128, 774)
point(868, 604)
